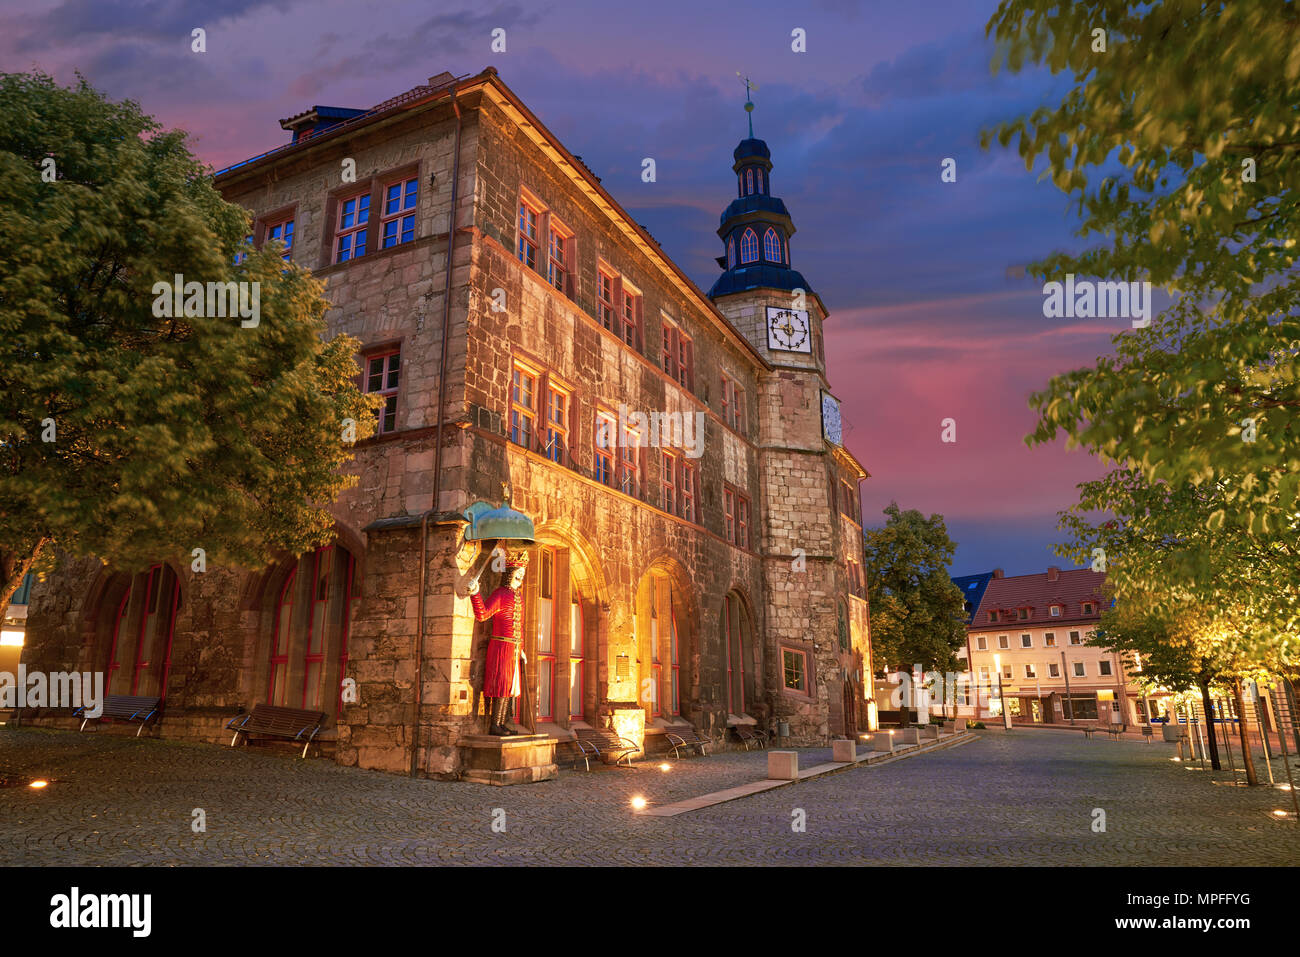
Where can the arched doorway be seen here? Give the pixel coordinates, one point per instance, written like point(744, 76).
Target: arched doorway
point(665, 643)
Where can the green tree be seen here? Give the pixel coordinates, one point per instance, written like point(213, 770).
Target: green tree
point(918, 616)
point(1179, 145)
point(128, 435)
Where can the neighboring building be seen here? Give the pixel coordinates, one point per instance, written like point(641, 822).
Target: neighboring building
point(716, 585)
point(1034, 628)
point(13, 627)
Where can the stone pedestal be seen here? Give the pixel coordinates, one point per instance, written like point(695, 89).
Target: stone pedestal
point(517, 759)
point(907, 736)
point(882, 741)
point(783, 765)
point(930, 732)
point(844, 750)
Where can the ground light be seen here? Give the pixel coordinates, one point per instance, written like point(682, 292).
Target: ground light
point(39, 783)
point(665, 767)
point(638, 803)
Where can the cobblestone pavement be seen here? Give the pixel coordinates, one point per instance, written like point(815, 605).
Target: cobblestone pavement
point(1024, 798)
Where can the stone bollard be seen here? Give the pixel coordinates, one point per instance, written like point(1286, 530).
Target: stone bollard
point(844, 750)
point(882, 741)
point(930, 732)
point(783, 765)
point(907, 736)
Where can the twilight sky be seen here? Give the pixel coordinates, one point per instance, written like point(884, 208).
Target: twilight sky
point(925, 323)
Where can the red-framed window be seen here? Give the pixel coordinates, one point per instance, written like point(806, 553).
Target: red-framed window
point(688, 492)
point(606, 448)
point(678, 355)
point(383, 370)
point(668, 481)
point(631, 327)
point(350, 229)
point(656, 667)
point(244, 250)
point(397, 222)
point(559, 256)
point(119, 622)
point(607, 314)
point(557, 423)
point(157, 624)
point(629, 460)
point(674, 656)
point(742, 521)
point(529, 233)
point(736, 637)
point(733, 408)
point(546, 635)
point(523, 407)
point(576, 659)
point(282, 231)
point(313, 672)
point(278, 689)
point(729, 511)
point(771, 246)
point(748, 246)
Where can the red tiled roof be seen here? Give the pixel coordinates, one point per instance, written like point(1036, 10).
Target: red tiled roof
point(1072, 587)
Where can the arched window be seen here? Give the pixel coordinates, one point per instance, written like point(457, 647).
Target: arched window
point(771, 246)
point(144, 623)
point(843, 626)
point(736, 638)
point(309, 631)
point(749, 181)
point(748, 246)
point(663, 638)
point(119, 631)
point(758, 181)
point(731, 253)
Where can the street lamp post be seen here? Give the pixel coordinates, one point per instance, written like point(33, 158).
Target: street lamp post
point(1006, 713)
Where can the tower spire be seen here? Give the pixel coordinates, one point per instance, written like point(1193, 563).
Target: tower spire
point(749, 103)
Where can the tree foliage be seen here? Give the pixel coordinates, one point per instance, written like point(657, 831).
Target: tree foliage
point(1180, 146)
point(170, 434)
point(917, 613)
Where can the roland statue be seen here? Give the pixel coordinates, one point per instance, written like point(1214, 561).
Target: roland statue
point(505, 651)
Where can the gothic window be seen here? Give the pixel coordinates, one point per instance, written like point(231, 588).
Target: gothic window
point(736, 638)
point(749, 182)
point(771, 246)
point(139, 656)
point(748, 246)
point(309, 631)
point(731, 254)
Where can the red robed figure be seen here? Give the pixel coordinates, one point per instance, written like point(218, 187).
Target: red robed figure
point(505, 607)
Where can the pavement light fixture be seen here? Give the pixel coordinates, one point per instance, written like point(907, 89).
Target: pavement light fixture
point(39, 783)
point(638, 803)
point(665, 766)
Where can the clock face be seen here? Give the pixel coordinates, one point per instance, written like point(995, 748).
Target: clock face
point(788, 330)
point(832, 428)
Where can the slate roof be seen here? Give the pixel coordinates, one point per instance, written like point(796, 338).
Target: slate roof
point(972, 589)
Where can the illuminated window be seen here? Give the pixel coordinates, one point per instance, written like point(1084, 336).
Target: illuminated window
point(1049, 639)
point(748, 246)
point(282, 232)
point(526, 246)
point(771, 246)
point(1075, 639)
point(397, 224)
point(382, 374)
point(576, 658)
point(523, 407)
point(557, 427)
point(1030, 672)
point(794, 670)
point(545, 647)
point(350, 230)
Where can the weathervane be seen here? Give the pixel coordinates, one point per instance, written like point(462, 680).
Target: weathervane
point(749, 103)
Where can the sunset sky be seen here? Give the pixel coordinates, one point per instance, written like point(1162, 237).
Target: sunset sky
point(925, 321)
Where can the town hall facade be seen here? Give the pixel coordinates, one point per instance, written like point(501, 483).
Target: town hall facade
point(525, 334)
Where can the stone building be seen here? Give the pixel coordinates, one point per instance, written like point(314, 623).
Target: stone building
point(698, 524)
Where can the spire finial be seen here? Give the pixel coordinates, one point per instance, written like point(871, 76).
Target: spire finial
point(749, 103)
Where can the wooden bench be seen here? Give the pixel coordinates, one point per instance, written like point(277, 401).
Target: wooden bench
point(685, 737)
point(292, 723)
point(1089, 732)
point(750, 735)
point(142, 709)
point(1148, 733)
point(1115, 730)
point(594, 743)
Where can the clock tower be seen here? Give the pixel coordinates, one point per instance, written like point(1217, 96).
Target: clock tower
point(816, 633)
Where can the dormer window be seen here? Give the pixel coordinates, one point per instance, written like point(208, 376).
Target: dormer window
point(1089, 608)
point(1025, 613)
point(771, 246)
point(748, 246)
point(1055, 611)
